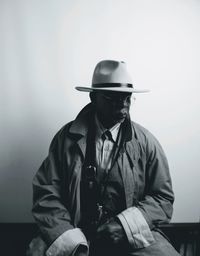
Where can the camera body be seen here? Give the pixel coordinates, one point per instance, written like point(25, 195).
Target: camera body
point(92, 210)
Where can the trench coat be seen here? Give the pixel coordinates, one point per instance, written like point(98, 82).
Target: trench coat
point(144, 170)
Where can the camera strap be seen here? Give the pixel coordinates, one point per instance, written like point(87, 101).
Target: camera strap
point(93, 191)
point(90, 157)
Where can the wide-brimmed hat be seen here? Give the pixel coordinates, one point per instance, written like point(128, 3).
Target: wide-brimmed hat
point(111, 75)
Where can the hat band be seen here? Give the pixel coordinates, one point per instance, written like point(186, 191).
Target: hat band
point(106, 85)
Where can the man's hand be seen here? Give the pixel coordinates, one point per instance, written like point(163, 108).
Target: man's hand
point(111, 233)
point(82, 250)
point(37, 247)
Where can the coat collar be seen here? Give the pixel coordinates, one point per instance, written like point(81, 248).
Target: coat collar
point(81, 124)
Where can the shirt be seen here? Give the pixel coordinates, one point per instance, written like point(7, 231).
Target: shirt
point(105, 144)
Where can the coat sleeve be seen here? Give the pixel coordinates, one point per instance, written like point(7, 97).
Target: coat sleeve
point(156, 205)
point(49, 208)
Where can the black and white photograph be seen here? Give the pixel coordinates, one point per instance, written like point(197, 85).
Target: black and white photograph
point(99, 128)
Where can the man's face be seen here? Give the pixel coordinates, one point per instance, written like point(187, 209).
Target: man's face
point(112, 107)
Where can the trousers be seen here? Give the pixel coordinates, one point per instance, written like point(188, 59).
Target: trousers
point(161, 247)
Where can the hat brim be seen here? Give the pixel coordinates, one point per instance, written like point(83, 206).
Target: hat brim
point(114, 89)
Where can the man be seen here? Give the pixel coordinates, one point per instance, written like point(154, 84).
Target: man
point(105, 185)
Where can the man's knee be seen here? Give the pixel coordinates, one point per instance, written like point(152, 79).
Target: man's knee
point(161, 246)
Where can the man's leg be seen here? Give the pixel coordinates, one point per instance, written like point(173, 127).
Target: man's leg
point(161, 247)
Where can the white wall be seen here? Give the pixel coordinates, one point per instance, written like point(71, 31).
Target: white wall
point(48, 47)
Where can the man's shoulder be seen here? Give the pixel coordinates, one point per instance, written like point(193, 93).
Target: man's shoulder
point(142, 134)
point(140, 130)
point(64, 130)
point(62, 135)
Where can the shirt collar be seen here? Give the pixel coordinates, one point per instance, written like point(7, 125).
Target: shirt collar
point(100, 129)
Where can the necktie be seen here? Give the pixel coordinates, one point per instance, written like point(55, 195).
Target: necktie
point(107, 135)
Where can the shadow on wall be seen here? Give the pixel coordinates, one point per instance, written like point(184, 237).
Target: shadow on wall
point(25, 138)
point(23, 153)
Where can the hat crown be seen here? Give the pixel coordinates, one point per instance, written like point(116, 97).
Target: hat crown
point(111, 75)
point(110, 71)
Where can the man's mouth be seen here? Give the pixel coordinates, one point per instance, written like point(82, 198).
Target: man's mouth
point(120, 115)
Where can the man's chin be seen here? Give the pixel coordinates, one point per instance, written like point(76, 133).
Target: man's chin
point(119, 118)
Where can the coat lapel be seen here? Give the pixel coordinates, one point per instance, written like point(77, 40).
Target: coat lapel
point(80, 125)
